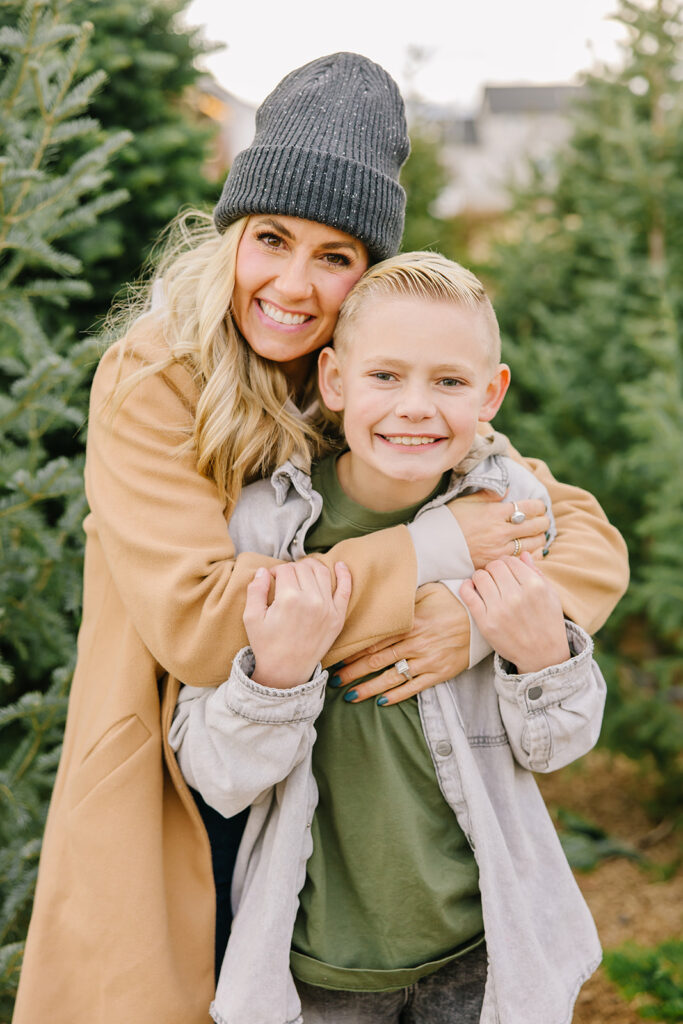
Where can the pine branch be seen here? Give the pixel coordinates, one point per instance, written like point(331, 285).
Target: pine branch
point(49, 117)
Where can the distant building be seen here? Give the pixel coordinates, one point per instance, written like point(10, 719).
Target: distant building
point(486, 151)
point(235, 117)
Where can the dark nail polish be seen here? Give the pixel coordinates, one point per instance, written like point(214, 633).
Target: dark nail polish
point(382, 701)
point(337, 665)
point(334, 681)
point(545, 551)
point(351, 695)
point(547, 536)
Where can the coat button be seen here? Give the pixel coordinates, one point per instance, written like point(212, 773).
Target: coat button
point(443, 748)
point(535, 692)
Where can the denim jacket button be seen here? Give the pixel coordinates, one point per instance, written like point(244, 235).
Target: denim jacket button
point(535, 692)
point(443, 748)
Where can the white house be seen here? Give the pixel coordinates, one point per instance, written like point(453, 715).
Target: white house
point(485, 152)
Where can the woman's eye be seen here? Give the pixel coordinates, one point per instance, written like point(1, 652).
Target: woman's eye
point(269, 239)
point(337, 259)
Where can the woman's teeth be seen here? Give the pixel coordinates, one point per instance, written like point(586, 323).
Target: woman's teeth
point(407, 439)
point(280, 316)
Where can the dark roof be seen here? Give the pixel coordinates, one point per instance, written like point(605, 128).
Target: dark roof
point(535, 99)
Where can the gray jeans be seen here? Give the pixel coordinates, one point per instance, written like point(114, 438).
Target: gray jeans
point(453, 995)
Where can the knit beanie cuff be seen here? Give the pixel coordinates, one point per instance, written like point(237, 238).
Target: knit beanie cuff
point(320, 186)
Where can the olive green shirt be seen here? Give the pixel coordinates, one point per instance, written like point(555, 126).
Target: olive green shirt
point(391, 891)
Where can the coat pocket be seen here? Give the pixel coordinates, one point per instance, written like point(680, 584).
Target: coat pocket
point(119, 742)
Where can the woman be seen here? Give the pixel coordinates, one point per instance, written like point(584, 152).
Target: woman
point(203, 393)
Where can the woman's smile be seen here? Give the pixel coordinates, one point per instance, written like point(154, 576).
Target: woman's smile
point(291, 277)
point(273, 314)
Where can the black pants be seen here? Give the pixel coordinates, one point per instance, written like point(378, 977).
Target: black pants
point(225, 835)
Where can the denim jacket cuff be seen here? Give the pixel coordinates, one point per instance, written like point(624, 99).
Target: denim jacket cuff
point(440, 547)
point(258, 703)
point(534, 691)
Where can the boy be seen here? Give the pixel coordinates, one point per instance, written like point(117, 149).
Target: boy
point(377, 901)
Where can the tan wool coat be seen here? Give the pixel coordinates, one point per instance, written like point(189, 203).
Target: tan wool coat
point(123, 923)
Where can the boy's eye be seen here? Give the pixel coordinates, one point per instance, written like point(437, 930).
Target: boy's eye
point(450, 382)
point(383, 375)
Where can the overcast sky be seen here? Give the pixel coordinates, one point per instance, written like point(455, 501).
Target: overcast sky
point(466, 43)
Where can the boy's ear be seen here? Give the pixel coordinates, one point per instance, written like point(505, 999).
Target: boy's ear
point(330, 380)
point(495, 392)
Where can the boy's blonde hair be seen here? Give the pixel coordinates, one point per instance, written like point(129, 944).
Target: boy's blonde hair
point(421, 275)
point(244, 426)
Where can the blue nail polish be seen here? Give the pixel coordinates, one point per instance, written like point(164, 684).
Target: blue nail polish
point(351, 695)
point(547, 536)
point(337, 665)
point(334, 681)
point(382, 701)
point(545, 551)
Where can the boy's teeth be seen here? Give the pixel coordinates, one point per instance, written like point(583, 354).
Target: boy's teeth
point(280, 317)
point(407, 439)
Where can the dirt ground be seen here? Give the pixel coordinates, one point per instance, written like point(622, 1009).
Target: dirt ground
point(628, 902)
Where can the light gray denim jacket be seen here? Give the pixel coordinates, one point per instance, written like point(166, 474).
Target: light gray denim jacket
point(246, 745)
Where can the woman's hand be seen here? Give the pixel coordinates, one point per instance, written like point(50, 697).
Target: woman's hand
point(436, 648)
point(290, 635)
point(519, 613)
point(485, 522)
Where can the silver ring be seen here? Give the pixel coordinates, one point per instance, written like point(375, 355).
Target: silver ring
point(517, 516)
point(403, 668)
point(518, 546)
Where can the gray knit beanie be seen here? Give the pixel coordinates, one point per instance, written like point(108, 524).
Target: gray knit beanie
point(330, 141)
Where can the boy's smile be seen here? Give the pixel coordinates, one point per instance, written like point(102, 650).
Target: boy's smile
point(414, 379)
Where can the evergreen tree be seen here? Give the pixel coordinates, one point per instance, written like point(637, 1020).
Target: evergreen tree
point(424, 179)
point(44, 96)
point(149, 59)
point(590, 300)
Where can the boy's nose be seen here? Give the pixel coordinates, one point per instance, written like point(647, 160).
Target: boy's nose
point(415, 404)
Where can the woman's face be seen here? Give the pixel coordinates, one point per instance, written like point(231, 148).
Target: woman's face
point(291, 277)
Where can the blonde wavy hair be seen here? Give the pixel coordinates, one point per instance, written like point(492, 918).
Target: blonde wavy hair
point(243, 428)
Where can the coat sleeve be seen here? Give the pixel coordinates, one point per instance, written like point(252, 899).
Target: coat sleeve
point(553, 717)
point(164, 536)
point(588, 561)
point(235, 741)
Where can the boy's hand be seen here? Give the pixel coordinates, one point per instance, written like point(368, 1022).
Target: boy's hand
point(291, 635)
point(518, 612)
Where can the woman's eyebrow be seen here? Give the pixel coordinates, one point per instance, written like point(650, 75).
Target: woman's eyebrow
point(340, 245)
point(278, 226)
point(282, 230)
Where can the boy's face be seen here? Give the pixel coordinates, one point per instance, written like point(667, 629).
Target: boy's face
point(414, 380)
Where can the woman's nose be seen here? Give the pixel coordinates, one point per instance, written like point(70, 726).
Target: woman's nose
point(294, 281)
